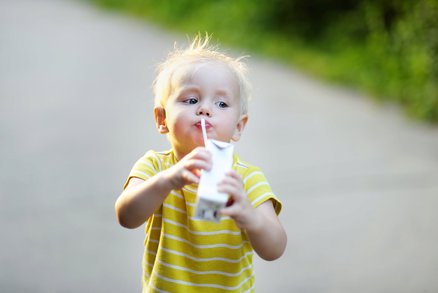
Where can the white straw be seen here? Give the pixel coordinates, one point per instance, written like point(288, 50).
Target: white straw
point(204, 132)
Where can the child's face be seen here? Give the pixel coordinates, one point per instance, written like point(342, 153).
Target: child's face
point(210, 92)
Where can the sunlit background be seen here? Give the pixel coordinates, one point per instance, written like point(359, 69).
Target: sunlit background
point(343, 122)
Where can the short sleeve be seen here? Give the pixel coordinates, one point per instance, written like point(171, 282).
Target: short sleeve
point(145, 167)
point(258, 189)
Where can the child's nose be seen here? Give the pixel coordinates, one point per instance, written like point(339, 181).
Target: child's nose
point(204, 110)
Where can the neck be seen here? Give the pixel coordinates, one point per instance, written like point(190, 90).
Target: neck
point(178, 154)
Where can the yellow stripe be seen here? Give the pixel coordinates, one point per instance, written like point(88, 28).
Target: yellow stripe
point(203, 246)
point(208, 259)
point(206, 285)
point(231, 232)
point(249, 267)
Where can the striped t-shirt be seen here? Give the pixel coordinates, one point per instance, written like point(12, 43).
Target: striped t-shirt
point(185, 254)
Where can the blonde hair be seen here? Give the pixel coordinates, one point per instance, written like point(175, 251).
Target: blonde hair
point(199, 52)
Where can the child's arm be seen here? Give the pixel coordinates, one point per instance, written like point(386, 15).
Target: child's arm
point(267, 236)
point(141, 198)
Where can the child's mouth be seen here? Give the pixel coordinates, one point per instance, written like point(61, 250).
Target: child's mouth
point(199, 125)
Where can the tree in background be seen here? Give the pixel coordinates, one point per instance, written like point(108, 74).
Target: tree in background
point(386, 47)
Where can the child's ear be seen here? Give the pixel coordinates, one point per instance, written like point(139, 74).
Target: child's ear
point(239, 127)
point(160, 119)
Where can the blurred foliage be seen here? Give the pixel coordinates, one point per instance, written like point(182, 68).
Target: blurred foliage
point(388, 48)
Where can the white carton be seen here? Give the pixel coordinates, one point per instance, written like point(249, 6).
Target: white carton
point(209, 200)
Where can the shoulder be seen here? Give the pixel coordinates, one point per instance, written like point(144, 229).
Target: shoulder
point(158, 155)
point(245, 169)
point(156, 160)
point(151, 163)
point(256, 184)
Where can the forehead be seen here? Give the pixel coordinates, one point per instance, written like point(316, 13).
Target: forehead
point(211, 73)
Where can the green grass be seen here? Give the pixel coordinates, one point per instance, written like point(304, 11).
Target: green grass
point(400, 67)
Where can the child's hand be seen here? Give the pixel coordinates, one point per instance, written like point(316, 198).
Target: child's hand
point(240, 208)
point(188, 170)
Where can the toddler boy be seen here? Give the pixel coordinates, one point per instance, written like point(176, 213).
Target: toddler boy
point(182, 252)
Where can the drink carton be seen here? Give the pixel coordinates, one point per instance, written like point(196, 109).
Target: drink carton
point(209, 200)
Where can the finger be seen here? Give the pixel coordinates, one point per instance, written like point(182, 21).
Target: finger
point(189, 177)
point(227, 211)
point(231, 182)
point(235, 175)
point(231, 211)
point(228, 189)
point(197, 172)
point(198, 164)
point(199, 152)
point(232, 187)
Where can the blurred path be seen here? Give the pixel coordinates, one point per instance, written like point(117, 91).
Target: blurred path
point(359, 183)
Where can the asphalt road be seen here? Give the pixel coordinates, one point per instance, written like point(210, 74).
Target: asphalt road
point(358, 180)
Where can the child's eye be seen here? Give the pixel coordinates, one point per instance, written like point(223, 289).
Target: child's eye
point(191, 101)
point(221, 104)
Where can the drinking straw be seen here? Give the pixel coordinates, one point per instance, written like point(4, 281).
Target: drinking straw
point(204, 131)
